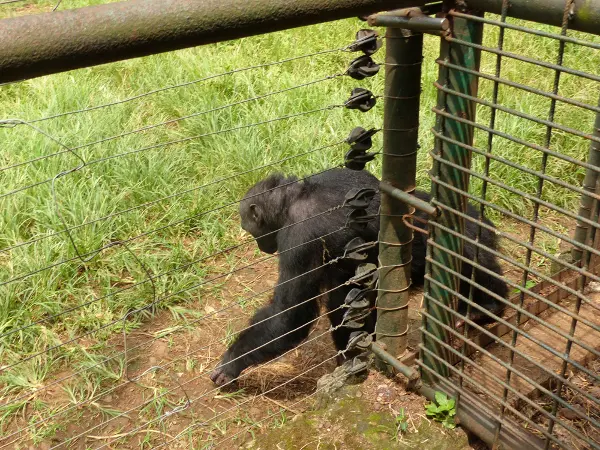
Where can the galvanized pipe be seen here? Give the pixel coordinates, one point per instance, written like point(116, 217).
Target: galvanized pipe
point(589, 184)
point(423, 24)
point(405, 370)
point(409, 199)
point(42, 44)
point(585, 13)
point(404, 51)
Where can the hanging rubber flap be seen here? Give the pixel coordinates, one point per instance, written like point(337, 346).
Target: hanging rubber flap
point(361, 99)
point(367, 41)
point(362, 67)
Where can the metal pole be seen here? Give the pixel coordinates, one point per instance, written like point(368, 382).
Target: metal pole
point(423, 24)
point(589, 184)
point(585, 13)
point(409, 199)
point(468, 57)
point(404, 54)
point(42, 44)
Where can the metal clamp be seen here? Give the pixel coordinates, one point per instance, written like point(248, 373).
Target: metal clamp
point(413, 19)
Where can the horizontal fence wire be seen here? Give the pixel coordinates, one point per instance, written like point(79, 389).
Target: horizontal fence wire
point(114, 348)
point(145, 344)
point(248, 372)
point(169, 197)
point(93, 253)
point(164, 123)
point(165, 297)
point(87, 164)
point(156, 276)
point(213, 313)
point(181, 385)
point(533, 368)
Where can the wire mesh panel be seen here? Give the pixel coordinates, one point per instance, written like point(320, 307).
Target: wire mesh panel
point(512, 314)
point(124, 274)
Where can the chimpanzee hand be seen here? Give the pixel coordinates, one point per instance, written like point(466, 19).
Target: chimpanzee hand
point(225, 373)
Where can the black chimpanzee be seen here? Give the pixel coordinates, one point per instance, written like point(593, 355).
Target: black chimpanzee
point(280, 213)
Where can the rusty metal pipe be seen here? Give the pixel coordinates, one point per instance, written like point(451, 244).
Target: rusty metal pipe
point(405, 370)
point(585, 13)
point(409, 199)
point(424, 24)
point(404, 54)
point(55, 42)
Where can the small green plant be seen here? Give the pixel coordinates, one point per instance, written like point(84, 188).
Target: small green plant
point(528, 285)
point(401, 424)
point(442, 410)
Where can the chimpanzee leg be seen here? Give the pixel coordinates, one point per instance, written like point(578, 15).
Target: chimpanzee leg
point(492, 283)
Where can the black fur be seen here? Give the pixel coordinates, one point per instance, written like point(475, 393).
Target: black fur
point(268, 211)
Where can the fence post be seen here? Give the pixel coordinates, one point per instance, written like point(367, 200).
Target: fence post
point(589, 184)
point(404, 54)
point(447, 129)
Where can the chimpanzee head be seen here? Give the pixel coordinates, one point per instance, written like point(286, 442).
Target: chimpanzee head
point(263, 210)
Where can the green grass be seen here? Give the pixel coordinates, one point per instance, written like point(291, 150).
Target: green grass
point(114, 185)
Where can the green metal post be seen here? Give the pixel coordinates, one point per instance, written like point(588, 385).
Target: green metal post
point(404, 54)
point(456, 106)
point(589, 184)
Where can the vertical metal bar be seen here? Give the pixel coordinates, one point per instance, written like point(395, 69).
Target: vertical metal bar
point(457, 106)
point(536, 207)
point(589, 184)
point(490, 145)
point(404, 54)
point(564, 366)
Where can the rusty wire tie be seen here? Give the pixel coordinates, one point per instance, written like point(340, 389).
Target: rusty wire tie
point(405, 221)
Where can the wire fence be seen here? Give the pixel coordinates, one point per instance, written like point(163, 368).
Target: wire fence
point(134, 313)
point(92, 357)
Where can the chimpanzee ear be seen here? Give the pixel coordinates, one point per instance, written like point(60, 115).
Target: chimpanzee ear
point(254, 210)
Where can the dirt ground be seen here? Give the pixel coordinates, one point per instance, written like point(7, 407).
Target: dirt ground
point(172, 402)
point(166, 398)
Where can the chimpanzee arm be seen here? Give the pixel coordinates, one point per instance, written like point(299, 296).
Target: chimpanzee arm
point(282, 324)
